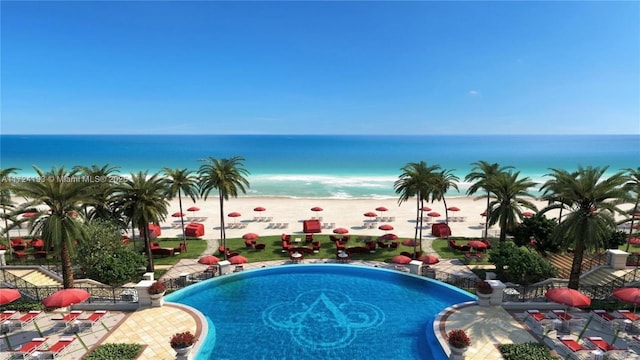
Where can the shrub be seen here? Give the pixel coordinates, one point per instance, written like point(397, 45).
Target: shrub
point(182, 340)
point(527, 351)
point(458, 338)
point(520, 265)
point(115, 352)
point(157, 288)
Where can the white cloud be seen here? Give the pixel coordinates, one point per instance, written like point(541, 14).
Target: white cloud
point(474, 93)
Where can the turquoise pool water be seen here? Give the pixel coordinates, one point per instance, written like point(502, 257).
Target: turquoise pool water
point(324, 311)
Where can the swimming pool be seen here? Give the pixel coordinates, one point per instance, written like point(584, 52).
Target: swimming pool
point(320, 311)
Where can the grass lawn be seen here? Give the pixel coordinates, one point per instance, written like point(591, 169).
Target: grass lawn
point(441, 246)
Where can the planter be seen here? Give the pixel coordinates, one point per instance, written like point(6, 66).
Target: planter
point(157, 300)
point(457, 353)
point(183, 353)
point(484, 299)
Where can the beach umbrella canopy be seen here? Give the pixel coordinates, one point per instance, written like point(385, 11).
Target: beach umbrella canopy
point(629, 295)
point(426, 208)
point(381, 208)
point(401, 259)
point(433, 214)
point(388, 237)
point(340, 230)
point(316, 208)
point(568, 297)
point(193, 208)
point(370, 214)
point(234, 214)
point(453, 208)
point(66, 297)
point(208, 260)
point(477, 245)
point(385, 227)
point(410, 242)
point(259, 208)
point(527, 214)
point(177, 214)
point(29, 215)
point(484, 213)
point(429, 259)
point(9, 295)
point(250, 236)
point(238, 259)
point(634, 241)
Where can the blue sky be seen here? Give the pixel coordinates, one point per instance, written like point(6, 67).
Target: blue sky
point(142, 67)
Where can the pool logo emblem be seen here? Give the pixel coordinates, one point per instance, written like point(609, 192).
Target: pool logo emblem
point(323, 319)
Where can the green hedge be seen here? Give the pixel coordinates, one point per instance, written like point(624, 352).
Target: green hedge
point(115, 352)
point(527, 351)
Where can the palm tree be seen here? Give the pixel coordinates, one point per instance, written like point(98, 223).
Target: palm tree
point(416, 180)
point(226, 175)
point(60, 227)
point(5, 196)
point(593, 201)
point(633, 185)
point(181, 181)
point(443, 181)
point(550, 194)
point(482, 172)
point(509, 192)
point(105, 178)
point(143, 198)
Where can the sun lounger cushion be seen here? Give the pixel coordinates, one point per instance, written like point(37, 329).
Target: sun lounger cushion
point(571, 344)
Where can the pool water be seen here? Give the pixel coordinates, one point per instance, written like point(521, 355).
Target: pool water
point(316, 311)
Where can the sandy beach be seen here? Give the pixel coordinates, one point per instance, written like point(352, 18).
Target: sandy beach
point(346, 213)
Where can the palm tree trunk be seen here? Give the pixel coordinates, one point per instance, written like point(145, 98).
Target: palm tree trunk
point(415, 236)
point(6, 226)
point(635, 210)
point(486, 218)
point(503, 229)
point(147, 247)
point(67, 265)
point(223, 233)
point(184, 238)
point(576, 266)
point(446, 210)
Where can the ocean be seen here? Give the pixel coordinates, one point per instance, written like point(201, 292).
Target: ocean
point(323, 166)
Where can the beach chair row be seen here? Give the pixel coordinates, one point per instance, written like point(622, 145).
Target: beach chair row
point(369, 225)
point(278, 226)
point(457, 219)
point(238, 225)
point(328, 225)
point(263, 218)
point(385, 218)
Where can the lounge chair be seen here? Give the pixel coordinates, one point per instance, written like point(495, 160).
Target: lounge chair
point(602, 344)
point(92, 320)
point(32, 346)
point(28, 318)
point(574, 348)
point(607, 318)
point(539, 321)
point(628, 315)
point(60, 348)
point(68, 319)
point(9, 314)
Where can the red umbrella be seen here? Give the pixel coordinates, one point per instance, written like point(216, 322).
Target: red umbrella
point(250, 236)
point(388, 237)
point(629, 295)
point(568, 297)
point(66, 297)
point(385, 227)
point(453, 208)
point(381, 208)
point(208, 260)
point(429, 259)
point(177, 214)
point(410, 242)
point(340, 231)
point(316, 208)
point(426, 208)
point(234, 214)
point(401, 259)
point(238, 259)
point(193, 208)
point(477, 245)
point(484, 213)
point(9, 295)
point(527, 214)
point(259, 208)
point(433, 214)
point(29, 215)
point(370, 214)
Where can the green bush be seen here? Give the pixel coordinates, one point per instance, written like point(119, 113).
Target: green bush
point(115, 352)
point(528, 351)
point(23, 305)
point(520, 265)
point(105, 258)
